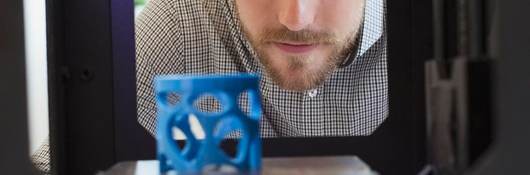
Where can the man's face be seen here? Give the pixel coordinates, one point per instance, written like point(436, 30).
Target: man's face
point(300, 42)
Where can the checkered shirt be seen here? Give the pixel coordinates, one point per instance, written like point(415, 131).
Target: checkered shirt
point(205, 37)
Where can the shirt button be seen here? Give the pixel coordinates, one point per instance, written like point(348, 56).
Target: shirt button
point(312, 93)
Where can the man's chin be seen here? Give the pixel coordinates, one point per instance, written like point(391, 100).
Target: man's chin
point(296, 73)
point(296, 82)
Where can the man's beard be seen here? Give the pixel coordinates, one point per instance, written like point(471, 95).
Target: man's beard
point(304, 77)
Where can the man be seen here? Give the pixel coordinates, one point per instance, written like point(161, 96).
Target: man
point(322, 62)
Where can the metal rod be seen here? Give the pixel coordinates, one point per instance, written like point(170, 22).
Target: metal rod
point(476, 9)
point(462, 24)
point(439, 34)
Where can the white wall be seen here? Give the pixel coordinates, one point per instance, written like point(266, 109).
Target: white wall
point(36, 71)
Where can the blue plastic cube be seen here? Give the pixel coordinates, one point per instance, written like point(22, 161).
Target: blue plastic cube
point(199, 153)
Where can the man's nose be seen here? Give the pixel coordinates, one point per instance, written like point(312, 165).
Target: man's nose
point(296, 15)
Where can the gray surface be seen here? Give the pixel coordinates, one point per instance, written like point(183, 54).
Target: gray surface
point(316, 165)
point(300, 165)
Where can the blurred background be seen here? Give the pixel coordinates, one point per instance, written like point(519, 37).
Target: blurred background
point(139, 5)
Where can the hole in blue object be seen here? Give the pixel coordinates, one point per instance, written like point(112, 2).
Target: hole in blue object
point(243, 102)
point(231, 140)
point(173, 99)
point(186, 143)
point(208, 103)
point(179, 137)
point(228, 134)
point(196, 127)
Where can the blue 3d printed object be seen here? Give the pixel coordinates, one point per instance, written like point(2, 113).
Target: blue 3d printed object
point(197, 154)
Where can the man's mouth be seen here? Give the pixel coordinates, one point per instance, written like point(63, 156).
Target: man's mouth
point(296, 48)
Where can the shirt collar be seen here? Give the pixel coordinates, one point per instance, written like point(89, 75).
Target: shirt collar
point(371, 30)
point(373, 24)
